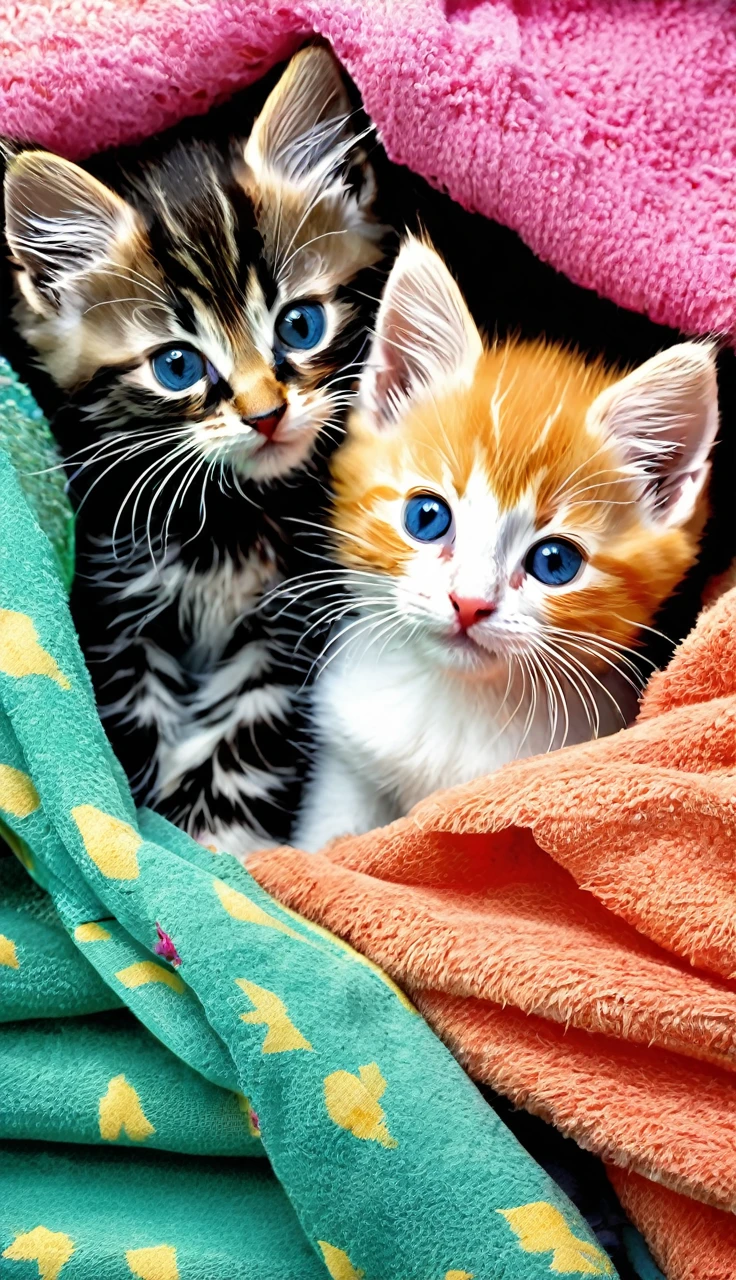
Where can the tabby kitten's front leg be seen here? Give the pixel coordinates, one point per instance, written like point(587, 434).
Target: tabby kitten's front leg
point(201, 689)
point(232, 776)
point(127, 619)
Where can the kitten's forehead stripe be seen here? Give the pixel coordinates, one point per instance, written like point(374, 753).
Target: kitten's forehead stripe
point(204, 231)
point(524, 421)
point(185, 314)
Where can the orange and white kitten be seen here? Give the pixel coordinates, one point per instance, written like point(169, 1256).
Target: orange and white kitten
point(507, 519)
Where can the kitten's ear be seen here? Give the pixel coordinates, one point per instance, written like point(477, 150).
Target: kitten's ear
point(665, 415)
point(303, 134)
point(60, 222)
point(425, 336)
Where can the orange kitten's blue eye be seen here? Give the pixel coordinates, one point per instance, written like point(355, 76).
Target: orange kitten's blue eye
point(178, 368)
point(555, 562)
point(301, 326)
point(427, 517)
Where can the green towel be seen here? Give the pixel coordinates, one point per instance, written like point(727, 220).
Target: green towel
point(56, 980)
point(277, 1037)
point(25, 437)
point(114, 1215)
point(90, 1073)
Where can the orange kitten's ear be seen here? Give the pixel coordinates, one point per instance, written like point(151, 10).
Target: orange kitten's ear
point(425, 336)
point(303, 135)
point(60, 222)
point(665, 414)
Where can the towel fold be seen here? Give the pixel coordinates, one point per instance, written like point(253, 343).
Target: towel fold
point(601, 132)
point(567, 926)
point(269, 1036)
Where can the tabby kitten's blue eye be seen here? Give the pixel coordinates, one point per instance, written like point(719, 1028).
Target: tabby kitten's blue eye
point(427, 517)
point(555, 562)
point(301, 326)
point(178, 368)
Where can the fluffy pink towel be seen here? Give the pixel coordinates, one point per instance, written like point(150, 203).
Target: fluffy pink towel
point(603, 131)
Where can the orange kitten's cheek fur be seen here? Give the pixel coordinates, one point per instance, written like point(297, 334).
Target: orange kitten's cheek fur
point(631, 582)
point(366, 543)
point(368, 536)
point(605, 609)
point(649, 565)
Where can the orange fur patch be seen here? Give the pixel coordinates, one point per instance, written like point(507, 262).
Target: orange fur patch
point(521, 424)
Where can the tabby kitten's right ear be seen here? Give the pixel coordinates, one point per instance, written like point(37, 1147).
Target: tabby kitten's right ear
point(425, 339)
point(303, 135)
point(60, 223)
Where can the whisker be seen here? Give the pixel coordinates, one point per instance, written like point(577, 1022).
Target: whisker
point(140, 484)
point(314, 239)
point(642, 626)
point(577, 644)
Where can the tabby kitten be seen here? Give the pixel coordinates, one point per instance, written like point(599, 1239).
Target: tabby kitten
point(509, 519)
point(202, 314)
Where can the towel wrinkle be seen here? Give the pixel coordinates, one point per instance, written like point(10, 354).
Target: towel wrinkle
point(567, 927)
point(601, 133)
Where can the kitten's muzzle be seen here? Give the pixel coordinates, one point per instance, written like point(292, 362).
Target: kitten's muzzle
point(266, 423)
point(469, 611)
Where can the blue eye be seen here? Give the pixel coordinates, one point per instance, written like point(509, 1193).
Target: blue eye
point(178, 368)
point(301, 326)
point(554, 562)
point(426, 517)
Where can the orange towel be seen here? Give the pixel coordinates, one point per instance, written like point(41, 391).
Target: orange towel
point(568, 926)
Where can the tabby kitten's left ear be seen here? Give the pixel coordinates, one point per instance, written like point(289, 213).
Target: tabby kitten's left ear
point(60, 224)
point(304, 135)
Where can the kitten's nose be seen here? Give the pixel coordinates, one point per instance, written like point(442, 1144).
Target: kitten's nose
point(470, 609)
point(267, 422)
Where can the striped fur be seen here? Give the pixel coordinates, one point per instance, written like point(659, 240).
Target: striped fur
point(189, 517)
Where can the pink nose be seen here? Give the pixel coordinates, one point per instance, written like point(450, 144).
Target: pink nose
point(266, 423)
point(470, 610)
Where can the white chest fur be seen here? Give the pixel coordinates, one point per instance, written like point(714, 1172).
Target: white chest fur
point(396, 728)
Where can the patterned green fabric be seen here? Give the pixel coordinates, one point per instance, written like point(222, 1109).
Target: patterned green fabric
point(277, 1037)
point(55, 980)
point(89, 1075)
point(111, 1215)
point(25, 437)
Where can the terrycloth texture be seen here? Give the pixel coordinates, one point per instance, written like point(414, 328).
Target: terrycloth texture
point(527, 915)
point(54, 979)
point(694, 1241)
point(602, 132)
point(582, 1176)
point(76, 1213)
point(83, 1080)
point(25, 437)
point(396, 1167)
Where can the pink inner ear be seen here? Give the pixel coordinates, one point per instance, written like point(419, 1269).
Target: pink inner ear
point(396, 368)
point(424, 332)
point(665, 417)
point(683, 470)
point(392, 372)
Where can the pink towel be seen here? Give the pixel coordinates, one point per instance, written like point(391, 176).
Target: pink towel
point(603, 131)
